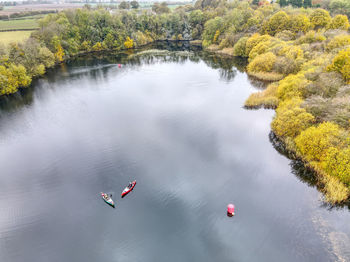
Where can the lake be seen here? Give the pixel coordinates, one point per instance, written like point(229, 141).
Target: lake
point(175, 122)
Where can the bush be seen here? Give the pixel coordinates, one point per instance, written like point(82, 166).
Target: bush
point(259, 49)
point(341, 64)
point(338, 42)
point(314, 142)
point(285, 66)
point(254, 40)
point(277, 23)
point(239, 48)
point(326, 84)
point(291, 119)
point(337, 164)
point(340, 22)
point(311, 37)
point(320, 18)
point(285, 35)
point(264, 63)
point(292, 86)
point(299, 23)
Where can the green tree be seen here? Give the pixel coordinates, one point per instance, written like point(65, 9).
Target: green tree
point(134, 4)
point(124, 5)
point(307, 3)
point(296, 3)
point(161, 8)
point(282, 3)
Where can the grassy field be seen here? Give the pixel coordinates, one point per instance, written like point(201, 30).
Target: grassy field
point(14, 36)
point(18, 24)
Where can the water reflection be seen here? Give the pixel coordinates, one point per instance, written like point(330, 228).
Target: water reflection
point(300, 170)
point(175, 125)
point(96, 66)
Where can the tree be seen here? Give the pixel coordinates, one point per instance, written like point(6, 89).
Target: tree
point(129, 43)
point(296, 3)
point(109, 40)
point(283, 3)
point(124, 5)
point(211, 29)
point(134, 4)
point(340, 7)
point(161, 8)
point(59, 52)
point(240, 47)
point(307, 3)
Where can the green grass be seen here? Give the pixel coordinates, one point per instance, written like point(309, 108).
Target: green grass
point(14, 36)
point(19, 24)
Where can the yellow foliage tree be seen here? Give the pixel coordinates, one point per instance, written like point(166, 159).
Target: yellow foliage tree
point(13, 77)
point(59, 53)
point(314, 142)
point(129, 43)
point(216, 36)
point(291, 119)
point(97, 46)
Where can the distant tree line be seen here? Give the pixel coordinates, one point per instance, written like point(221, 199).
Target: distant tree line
point(26, 13)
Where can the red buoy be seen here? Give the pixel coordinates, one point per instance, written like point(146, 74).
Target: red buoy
point(119, 65)
point(230, 210)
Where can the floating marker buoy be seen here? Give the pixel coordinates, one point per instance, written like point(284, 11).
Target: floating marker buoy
point(230, 210)
point(119, 65)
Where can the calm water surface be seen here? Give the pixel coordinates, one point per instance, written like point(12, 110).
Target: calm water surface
point(175, 123)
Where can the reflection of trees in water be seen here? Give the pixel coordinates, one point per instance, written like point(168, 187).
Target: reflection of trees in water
point(14, 102)
point(300, 170)
point(97, 66)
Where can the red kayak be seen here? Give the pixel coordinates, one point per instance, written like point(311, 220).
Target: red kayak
point(129, 188)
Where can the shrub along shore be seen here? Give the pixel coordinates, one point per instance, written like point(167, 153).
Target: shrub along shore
point(303, 52)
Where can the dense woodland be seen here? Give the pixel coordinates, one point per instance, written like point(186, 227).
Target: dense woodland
point(301, 47)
